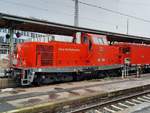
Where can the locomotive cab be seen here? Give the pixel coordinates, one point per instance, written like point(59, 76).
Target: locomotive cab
point(93, 39)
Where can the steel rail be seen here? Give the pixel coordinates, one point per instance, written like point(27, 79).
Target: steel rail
point(115, 100)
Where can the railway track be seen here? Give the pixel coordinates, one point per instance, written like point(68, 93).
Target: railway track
point(115, 105)
point(77, 98)
point(61, 90)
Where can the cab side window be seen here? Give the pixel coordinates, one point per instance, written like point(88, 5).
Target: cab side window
point(100, 41)
point(95, 39)
point(85, 40)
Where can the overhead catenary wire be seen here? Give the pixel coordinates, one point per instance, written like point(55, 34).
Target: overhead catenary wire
point(53, 11)
point(30, 5)
point(101, 21)
point(113, 11)
point(37, 8)
point(22, 4)
point(71, 14)
point(81, 2)
point(58, 2)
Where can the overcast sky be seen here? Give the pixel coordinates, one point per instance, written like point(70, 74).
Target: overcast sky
point(62, 11)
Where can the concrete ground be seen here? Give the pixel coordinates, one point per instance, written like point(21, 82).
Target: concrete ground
point(12, 99)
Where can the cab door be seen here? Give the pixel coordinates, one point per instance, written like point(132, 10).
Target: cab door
point(87, 45)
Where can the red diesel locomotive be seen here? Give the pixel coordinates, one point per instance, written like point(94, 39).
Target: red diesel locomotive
point(47, 62)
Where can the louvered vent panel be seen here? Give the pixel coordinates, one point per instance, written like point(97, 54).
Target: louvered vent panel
point(46, 53)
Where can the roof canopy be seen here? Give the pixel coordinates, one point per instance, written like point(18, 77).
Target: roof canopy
point(42, 26)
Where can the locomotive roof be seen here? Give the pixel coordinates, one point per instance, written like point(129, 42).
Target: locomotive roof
point(131, 44)
point(43, 26)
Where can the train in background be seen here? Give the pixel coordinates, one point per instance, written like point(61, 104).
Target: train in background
point(87, 55)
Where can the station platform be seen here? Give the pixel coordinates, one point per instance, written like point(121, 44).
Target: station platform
point(58, 96)
point(6, 83)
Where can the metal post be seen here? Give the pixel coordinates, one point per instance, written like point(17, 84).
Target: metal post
point(76, 15)
point(127, 26)
point(127, 70)
point(138, 71)
point(11, 44)
point(123, 71)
